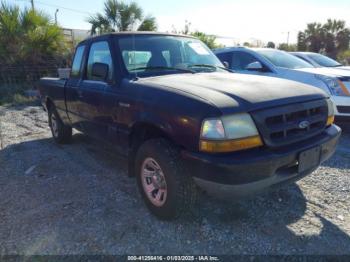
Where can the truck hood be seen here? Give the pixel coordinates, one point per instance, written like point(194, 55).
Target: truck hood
point(344, 67)
point(328, 71)
point(237, 92)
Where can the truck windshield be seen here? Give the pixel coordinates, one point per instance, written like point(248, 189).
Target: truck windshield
point(283, 59)
point(324, 60)
point(144, 54)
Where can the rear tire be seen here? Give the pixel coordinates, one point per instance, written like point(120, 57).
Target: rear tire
point(61, 133)
point(164, 184)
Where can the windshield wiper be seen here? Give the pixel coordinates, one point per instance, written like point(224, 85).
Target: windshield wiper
point(162, 68)
point(210, 66)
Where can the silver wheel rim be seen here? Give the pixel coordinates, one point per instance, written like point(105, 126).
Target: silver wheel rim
point(153, 182)
point(54, 125)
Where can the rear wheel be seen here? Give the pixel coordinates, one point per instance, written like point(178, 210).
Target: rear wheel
point(164, 184)
point(61, 133)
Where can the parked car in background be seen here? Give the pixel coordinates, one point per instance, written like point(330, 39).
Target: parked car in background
point(280, 64)
point(319, 60)
point(166, 102)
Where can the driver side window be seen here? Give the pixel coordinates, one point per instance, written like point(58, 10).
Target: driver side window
point(99, 53)
point(240, 60)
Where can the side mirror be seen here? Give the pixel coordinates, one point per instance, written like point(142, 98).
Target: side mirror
point(226, 64)
point(99, 71)
point(255, 66)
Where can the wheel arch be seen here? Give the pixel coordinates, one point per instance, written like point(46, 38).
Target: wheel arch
point(142, 131)
point(49, 103)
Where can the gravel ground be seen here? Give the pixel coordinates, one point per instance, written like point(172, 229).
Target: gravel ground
point(77, 199)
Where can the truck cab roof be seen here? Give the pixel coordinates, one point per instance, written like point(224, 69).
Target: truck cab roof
point(130, 33)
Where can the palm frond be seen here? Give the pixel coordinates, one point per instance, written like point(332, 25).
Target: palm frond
point(148, 24)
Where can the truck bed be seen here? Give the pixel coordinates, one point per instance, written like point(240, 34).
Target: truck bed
point(53, 88)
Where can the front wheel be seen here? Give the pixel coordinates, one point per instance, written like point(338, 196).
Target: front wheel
point(164, 184)
point(61, 133)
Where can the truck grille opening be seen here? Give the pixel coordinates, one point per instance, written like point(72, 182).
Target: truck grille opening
point(343, 109)
point(292, 123)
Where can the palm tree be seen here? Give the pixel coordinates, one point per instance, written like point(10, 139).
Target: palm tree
point(333, 37)
point(314, 34)
point(33, 37)
point(301, 41)
point(338, 33)
point(120, 16)
point(10, 32)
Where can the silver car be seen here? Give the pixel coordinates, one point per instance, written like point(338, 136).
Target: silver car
point(319, 60)
point(276, 63)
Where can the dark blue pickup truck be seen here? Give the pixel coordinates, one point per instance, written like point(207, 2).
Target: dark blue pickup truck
point(184, 122)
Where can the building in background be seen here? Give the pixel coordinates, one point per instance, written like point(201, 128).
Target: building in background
point(74, 36)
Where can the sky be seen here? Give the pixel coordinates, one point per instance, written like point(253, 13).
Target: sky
point(232, 20)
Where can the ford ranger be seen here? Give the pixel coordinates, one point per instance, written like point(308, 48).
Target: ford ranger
point(185, 123)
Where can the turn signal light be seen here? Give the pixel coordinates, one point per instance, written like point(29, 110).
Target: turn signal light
point(225, 146)
point(330, 120)
point(343, 87)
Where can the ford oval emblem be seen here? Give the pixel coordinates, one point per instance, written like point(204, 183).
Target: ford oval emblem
point(304, 124)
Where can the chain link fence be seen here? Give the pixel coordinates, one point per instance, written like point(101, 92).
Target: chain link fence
point(17, 79)
point(25, 75)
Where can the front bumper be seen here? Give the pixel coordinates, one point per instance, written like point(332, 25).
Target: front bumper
point(251, 171)
point(341, 108)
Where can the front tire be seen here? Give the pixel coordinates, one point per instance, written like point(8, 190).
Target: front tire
point(61, 133)
point(163, 182)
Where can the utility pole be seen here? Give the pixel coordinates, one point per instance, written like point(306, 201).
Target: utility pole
point(56, 16)
point(32, 2)
point(288, 38)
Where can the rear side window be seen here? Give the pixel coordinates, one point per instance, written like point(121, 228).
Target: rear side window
point(78, 58)
point(100, 53)
point(240, 60)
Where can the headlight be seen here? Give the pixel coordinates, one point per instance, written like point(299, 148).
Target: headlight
point(229, 133)
point(330, 119)
point(336, 87)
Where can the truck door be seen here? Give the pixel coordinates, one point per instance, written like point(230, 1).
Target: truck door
point(72, 87)
point(96, 95)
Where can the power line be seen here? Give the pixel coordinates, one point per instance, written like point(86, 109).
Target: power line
point(66, 8)
point(57, 6)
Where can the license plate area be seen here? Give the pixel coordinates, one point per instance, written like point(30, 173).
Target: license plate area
point(309, 159)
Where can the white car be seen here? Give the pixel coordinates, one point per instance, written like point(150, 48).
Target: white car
point(318, 60)
point(276, 63)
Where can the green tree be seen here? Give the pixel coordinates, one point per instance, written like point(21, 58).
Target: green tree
point(332, 37)
point(28, 36)
point(209, 40)
point(271, 45)
point(344, 57)
point(148, 24)
point(31, 46)
point(314, 35)
point(301, 45)
point(120, 16)
point(337, 37)
point(10, 32)
point(286, 47)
